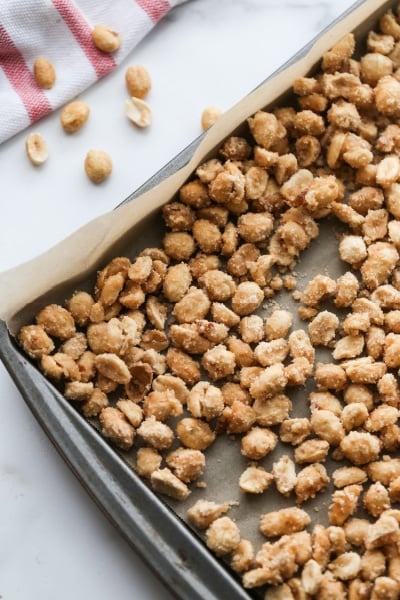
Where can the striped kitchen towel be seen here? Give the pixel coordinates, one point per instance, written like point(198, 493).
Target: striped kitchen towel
point(60, 30)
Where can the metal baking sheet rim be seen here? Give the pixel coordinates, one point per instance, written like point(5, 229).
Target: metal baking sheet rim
point(165, 542)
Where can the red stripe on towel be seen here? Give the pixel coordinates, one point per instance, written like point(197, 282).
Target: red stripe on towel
point(22, 79)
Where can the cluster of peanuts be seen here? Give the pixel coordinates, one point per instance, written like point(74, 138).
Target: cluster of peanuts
point(98, 163)
point(170, 350)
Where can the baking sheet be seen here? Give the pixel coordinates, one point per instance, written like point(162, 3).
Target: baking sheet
point(134, 226)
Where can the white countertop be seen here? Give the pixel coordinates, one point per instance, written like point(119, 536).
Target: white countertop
point(55, 543)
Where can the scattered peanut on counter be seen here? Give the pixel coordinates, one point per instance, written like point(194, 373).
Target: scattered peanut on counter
point(44, 73)
point(105, 38)
point(172, 349)
point(36, 149)
point(98, 165)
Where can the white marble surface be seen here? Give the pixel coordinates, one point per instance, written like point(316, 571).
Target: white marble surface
point(54, 542)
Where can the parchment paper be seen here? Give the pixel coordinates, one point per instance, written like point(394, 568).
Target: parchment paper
point(135, 225)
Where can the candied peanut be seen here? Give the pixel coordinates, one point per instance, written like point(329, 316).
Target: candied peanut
point(207, 236)
point(300, 346)
point(270, 381)
point(178, 216)
point(384, 470)
point(133, 412)
point(209, 116)
point(278, 324)
point(381, 417)
point(333, 59)
point(394, 490)
point(266, 129)
point(116, 427)
point(56, 321)
point(346, 566)
point(385, 588)
point(205, 400)
point(236, 148)
point(238, 263)
point(376, 499)
point(322, 328)
point(218, 362)
point(179, 245)
point(354, 415)
point(364, 370)
point(194, 433)
point(311, 451)
point(360, 447)
point(255, 480)
point(256, 182)
point(344, 115)
point(325, 401)
point(308, 149)
point(183, 365)
point(95, 403)
point(330, 376)
point(273, 411)
point(247, 298)
point(229, 239)
point(222, 314)
point(195, 193)
point(352, 249)
point(156, 434)
point(204, 512)
point(243, 556)
point(355, 531)
point(244, 355)
point(238, 417)
point(311, 577)
point(387, 95)
point(219, 285)
point(255, 227)
point(228, 187)
point(44, 73)
point(380, 43)
point(381, 533)
point(318, 289)
point(294, 431)
point(148, 460)
point(344, 504)
point(161, 405)
point(35, 341)
point(310, 480)
point(284, 521)
point(284, 474)
point(328, 427)
point(375, 342)
point(78, 390)
point(346, 476)
point(165, 482)
point(269, 353)
point(59, 365)
point(349, 346)
point(374, 66)
point(222, 536)
point(258, 442)
point(192, 306)
point(187, 464)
